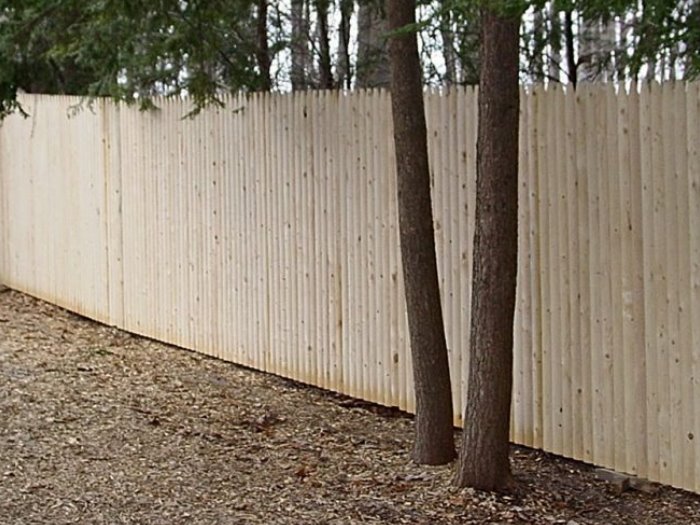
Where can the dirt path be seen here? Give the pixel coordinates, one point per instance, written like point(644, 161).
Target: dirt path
point(98, 426)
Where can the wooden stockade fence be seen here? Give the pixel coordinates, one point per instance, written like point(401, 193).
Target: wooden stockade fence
point(265, 233)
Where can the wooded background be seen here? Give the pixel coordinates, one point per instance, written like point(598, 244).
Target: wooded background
point(265, 233)
point(137, 50)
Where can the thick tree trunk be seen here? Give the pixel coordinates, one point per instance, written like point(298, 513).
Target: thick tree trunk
point(434, 441)
point(483, 460)
point(372, 66)
point(262, 51)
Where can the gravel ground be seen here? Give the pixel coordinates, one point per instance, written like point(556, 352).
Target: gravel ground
point(99, 426)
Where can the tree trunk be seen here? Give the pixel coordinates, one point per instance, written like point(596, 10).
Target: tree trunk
point(372, 66)
point(300, 46)
point(343, 68)
point(262, 51)
point(571, 64)
point(483, 460)
point(434, 440)
point(468, 37)
point(324, 59)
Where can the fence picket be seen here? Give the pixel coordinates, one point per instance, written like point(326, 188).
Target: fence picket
point(266, 233)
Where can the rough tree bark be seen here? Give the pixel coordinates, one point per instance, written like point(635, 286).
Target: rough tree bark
point(483, 462)
point(434, 440)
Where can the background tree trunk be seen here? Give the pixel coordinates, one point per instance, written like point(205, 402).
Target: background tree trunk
point(372, 65)
point(448, 47)
point(343, 66)
point(262, 52)
point(324, 58)
point(483, 460)
point(571, 63)
point(609, 45)
point(300, 46)
point(537, 68)
point(434, 441)
point(554, 62)
point(589, 33)
point(468, 45)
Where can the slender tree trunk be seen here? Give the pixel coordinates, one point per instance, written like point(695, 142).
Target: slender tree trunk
point(663, 65)
point(372, 66)
point(262, 51)
point(324, 62)
point(434, 441)
point(344, 66)
point(483, 460)
point(300, 46)
point(571, 65)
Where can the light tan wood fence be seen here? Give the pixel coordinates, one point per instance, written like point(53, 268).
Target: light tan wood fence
point(265, 233)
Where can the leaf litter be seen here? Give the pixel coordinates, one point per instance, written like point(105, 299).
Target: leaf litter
point(100, 426)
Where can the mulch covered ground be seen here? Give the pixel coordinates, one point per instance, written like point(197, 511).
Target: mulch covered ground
point(98, 426)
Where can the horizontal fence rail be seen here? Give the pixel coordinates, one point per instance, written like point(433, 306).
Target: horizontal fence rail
point(265, 233)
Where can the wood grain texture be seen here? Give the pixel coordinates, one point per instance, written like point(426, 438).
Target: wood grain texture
point(201, 233)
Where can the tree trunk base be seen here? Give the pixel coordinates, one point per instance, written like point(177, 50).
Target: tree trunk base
point(503, 484)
